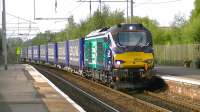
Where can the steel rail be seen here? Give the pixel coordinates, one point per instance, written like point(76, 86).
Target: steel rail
point(80, 90)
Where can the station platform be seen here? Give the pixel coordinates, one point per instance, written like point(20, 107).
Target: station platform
point(178, 73)
point(24, 89)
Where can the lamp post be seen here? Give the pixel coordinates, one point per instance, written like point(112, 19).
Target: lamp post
point(4, 40)
point(132, 2)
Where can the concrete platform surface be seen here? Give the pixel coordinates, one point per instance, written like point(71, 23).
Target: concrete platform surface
point(23, 89)
point(179, 71)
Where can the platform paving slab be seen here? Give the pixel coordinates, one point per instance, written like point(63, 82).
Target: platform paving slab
point(17, 93)
point(179, 71)
point(23, 89)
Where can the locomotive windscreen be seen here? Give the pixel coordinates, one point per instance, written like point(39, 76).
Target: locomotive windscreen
point(132, 38)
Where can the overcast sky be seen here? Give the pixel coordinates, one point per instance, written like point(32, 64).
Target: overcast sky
point(161, 10)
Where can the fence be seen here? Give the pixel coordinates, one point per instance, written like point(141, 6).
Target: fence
point(177, 54)
point(1, 59)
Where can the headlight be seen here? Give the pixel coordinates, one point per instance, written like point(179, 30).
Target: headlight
point(118, 62)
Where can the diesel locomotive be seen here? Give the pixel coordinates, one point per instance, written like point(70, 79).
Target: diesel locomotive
point(118, 53)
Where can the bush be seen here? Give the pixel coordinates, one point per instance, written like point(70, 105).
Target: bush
point(187, 63)
point(197, 63)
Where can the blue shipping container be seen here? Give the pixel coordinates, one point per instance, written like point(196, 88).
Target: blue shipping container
point(24, 53)
point(61, 52)
point(30, 53)
point(36, 53)
point(43, 53)
point(53, 53)
point(76, 53)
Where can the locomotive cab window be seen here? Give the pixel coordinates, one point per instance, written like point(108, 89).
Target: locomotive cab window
point(132, 38)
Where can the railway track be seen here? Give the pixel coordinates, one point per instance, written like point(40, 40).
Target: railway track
point(118, 101)
point(127, 101)
point(167, 98)
point(168, 101)
point(87, 101)
point(179, 101)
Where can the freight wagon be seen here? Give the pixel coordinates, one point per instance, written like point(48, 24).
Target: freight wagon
point(30, 53)
point(52, 53)
point(36, 53)
point(24, 54)
point(76, 53)
point(43, 53)
point(62, 48)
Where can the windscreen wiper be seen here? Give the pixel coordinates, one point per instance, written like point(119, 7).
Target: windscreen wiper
point(139, 42)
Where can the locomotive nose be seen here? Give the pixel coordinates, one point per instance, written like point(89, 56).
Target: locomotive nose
point(133, 60)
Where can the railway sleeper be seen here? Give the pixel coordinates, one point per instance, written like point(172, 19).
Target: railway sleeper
point(180, 103)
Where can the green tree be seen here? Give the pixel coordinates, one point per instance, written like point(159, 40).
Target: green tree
point(196, 10)
point(13, 43)
point(180, 31)
point(191, 31)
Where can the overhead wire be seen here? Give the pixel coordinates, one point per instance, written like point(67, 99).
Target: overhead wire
point(70, 12)
point(21, 18)
point(29, 29)
point(155, 3)
point(136, 4)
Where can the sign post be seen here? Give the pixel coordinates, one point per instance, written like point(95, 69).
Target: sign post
point(4, 40)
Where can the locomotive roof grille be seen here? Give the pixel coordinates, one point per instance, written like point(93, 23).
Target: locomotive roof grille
point(118, 27)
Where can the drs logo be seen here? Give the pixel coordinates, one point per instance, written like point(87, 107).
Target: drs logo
point(73, 51)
